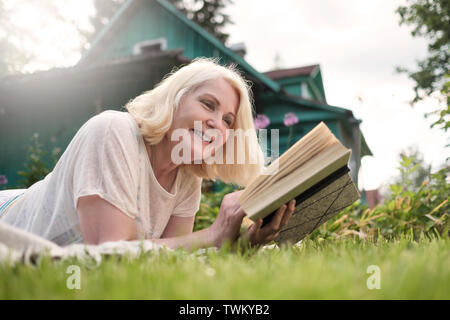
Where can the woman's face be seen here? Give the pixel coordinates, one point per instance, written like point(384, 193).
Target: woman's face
point(203, 116)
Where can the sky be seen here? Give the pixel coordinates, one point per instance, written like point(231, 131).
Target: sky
point(357, 44)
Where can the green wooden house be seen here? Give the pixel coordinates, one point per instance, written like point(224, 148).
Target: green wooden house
point(142, 43)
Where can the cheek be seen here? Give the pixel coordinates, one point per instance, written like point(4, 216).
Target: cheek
point(190, 110)
point(222, 137)
point(183, 114)
point(227, 134)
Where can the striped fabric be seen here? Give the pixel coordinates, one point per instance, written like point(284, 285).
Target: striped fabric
point(8, 198)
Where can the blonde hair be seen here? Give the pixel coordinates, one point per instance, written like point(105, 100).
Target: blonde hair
point(154, 109)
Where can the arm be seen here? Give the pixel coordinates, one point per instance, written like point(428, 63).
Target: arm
point(178, 233)
point(100, 222)
point(226, 228)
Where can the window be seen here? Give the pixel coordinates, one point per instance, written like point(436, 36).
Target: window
point(150, 46)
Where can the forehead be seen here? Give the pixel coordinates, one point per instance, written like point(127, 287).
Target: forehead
point(223, 91)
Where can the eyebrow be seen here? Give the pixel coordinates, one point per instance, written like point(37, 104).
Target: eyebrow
point(217, 102)
point(213, 97)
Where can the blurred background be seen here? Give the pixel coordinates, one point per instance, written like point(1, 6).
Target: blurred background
point(375, 71)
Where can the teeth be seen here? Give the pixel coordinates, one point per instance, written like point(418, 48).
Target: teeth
point(203, 137)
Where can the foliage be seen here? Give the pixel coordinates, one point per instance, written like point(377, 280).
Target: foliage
point(411, 209)
point(421, 212)
point(411, 180)
point(208, 14)
point(12, 56)
point(36, 164)
point(104, 11)
point(430, 19)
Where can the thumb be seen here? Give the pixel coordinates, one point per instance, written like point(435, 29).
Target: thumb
point(239, 213)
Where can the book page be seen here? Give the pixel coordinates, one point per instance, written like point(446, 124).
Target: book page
point(300, 180)
point(312, 143)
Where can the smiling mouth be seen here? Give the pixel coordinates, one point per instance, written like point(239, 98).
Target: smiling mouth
point(201, 136)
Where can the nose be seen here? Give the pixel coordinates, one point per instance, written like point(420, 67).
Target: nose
point(210, 123)
point(215, 122)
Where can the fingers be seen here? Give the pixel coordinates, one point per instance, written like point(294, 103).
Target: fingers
point(230, 202)
point(260, 235)
point(274, 224)
point(235, 195)
point(276, 221)
point(239, 213)
point(288, 214)
point(280, 219)
point(253, 231)
point(273, 236)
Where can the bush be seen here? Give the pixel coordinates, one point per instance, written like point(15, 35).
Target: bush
point(417, 213)
point(406, 212)
point(36, 165)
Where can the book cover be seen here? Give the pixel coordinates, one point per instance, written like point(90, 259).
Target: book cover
point(319, 204)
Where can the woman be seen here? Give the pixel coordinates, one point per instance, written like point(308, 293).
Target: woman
point(121, 177)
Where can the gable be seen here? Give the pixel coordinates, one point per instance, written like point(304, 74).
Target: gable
point(143, 20)
point(305, 82)
point(152, 22)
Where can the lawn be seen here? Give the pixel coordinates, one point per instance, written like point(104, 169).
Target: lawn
point(329, 269)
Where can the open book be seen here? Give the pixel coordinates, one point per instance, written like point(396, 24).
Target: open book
point(313, 171)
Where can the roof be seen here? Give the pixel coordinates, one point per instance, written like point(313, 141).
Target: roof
point(292, 72)
point(131, 66)
point(315, 104)
point(340, 113)
point(126, 11)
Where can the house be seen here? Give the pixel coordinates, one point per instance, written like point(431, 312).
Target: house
point(144, 41)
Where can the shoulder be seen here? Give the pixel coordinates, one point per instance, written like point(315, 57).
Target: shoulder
point(189, 195)
point(190, 183)
point(107, 118)
point(110, 122)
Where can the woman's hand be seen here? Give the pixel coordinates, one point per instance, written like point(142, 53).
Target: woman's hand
point(258, 235)
point(227, 225)
point(226, 228)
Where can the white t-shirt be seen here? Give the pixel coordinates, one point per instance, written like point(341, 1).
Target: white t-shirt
point(106, 157)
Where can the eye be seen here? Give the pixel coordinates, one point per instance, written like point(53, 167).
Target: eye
point(208, 104)
point(228, 122)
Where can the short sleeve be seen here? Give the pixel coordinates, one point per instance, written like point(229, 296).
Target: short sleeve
point(106, 161)
point(189, 202)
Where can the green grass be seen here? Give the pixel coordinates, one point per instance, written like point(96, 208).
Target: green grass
point(314, 270)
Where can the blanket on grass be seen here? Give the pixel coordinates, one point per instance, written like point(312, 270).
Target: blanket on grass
point(17, 245)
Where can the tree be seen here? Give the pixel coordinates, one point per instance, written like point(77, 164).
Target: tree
point(208, 14)
point(12, 57)
point(19, 40)
point(413, 171)
point(430, 19)
point(105, 10)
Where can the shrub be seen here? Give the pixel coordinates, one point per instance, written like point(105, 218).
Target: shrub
point(422, 212)
point(407, 211)
point(36, 163)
